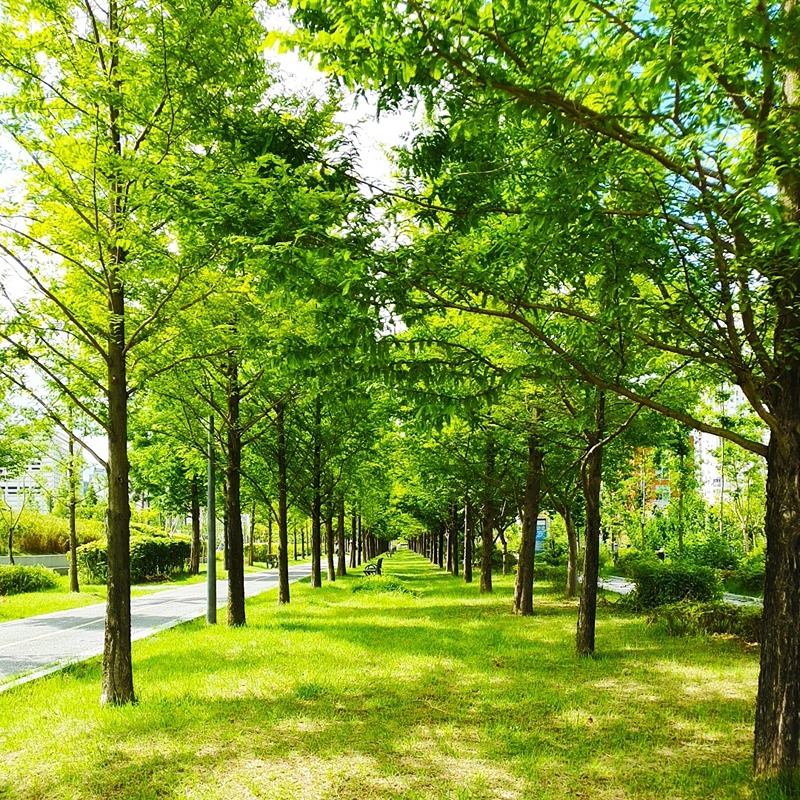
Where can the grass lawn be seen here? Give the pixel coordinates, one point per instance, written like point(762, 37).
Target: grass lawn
point(30, 604)
point(437, 694)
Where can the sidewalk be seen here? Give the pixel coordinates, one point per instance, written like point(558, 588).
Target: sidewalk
point(37, 646)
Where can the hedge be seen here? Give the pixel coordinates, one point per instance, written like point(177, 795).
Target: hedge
point(16, 579)
point(152, 557)
point(659, 584)
point(40, 534)
point(686, 619)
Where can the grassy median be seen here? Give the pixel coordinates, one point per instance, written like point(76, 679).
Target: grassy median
point(421, 689)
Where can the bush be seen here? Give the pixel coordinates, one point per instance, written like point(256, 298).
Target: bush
point(152, 557)
point(17, 579)
point(628, 561)
point(261, 551)
point(659, 584)
point(41, 534)
point(714, 551)
point(693, 619)
point(553, 553)
point(557, 574)
point(497, 559)
point(749, 575)
point(381, 583)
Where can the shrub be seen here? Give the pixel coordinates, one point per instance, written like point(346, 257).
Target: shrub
point(152, 557)
point(381, 583)
point(553, 553)
point(261, 551)
point(692, 619)
point(18, 579)
point(497, 558)
point(749, 575)
point(557, 574)
point(628, 561)
point(714, 551)
point(45, 533)
point(659, 584)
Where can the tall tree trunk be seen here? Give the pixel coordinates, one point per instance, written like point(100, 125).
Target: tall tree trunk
point(330, 543)
point(316, 500)
point(72, 478)
point(523, 588)
point(454, 526)
point(469, 524)
point(225, 549)
point(283, 515)
point(341, 566)
point(117, 684)
point(440, 546)
point(360, 541)
point(353, 539)
point(777, 727)
point(487, 524)
point(233, 502)
point(572, 550)
point(194, 555)
point(591, 476)
point(504, 543)
point(251, 555)
point(681, 494)
point(10, 544)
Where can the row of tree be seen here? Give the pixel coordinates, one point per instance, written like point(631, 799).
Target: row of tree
point(596, 223)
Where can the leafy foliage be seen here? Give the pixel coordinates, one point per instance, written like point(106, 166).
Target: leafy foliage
point(152, 557)
point(45, 533)
point(692, 619)
point(17, 579)
point(659, 584)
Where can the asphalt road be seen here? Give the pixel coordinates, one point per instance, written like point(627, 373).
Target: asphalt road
point(37, 646)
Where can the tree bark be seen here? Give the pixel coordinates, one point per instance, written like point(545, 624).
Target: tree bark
point(233, 501)
point(591, 476)
point(469, 523)
point(194, 555)
point(572, 550)
point(487, 539)
point(330, 544)
point(117, 683)
point(341, 566)
point(316, 500)
point(353, 540)
point(283, 516)
point(251, 556)
point(72, 479)
point(523, 588)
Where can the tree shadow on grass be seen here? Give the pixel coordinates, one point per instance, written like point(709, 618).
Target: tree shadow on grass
point(342, 696)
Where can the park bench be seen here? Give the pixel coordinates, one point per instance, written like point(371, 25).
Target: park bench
point(271, 560)
point(374, 569)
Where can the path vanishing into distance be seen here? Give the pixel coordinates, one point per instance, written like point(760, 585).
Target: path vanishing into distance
point(37, 646)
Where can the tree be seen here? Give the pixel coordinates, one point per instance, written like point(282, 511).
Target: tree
point(105, 100)
point(660, 90)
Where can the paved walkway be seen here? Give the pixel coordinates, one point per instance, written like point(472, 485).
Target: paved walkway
point(37, 646)
point(622, 586)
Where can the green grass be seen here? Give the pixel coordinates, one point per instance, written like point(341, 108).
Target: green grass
point(384, 694)
point(19, 606)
